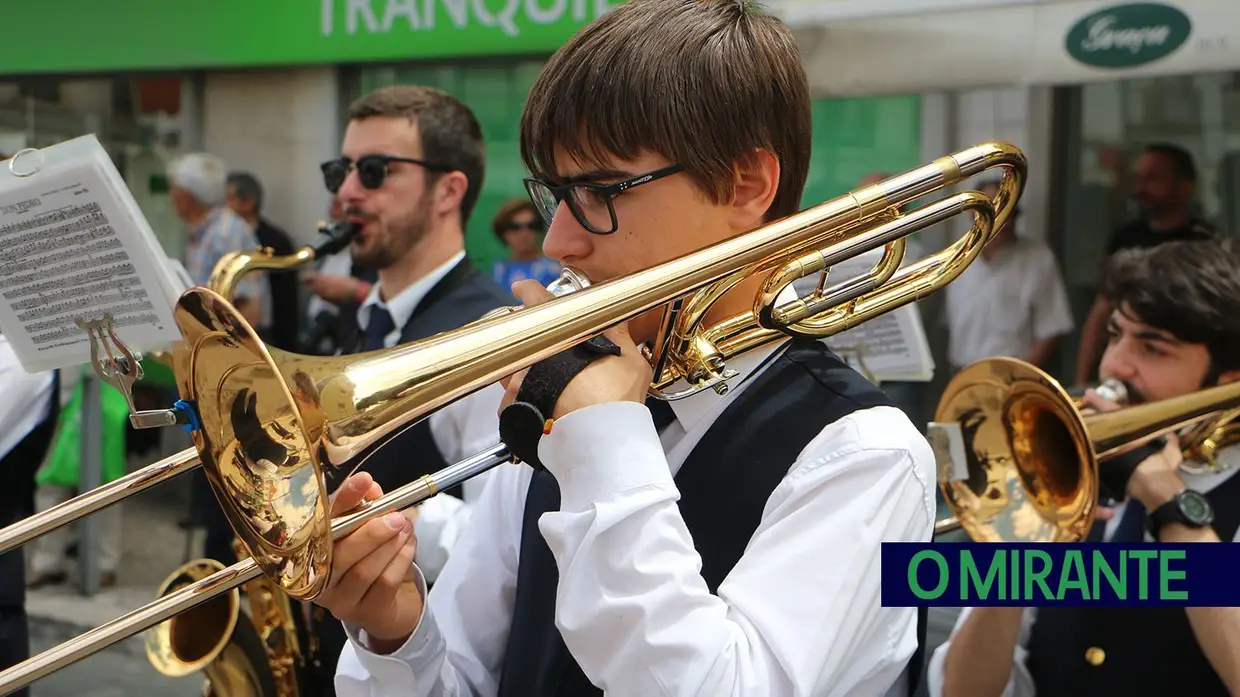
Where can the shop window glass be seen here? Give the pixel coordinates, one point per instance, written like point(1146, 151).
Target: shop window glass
point(858, 136)
point(1107, 124)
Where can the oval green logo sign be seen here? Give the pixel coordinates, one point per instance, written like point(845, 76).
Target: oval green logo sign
point(1125, 36)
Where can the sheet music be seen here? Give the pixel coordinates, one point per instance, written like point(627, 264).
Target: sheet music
point(891, 346)
point(74, 245)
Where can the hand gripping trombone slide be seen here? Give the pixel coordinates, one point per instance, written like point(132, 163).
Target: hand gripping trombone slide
point(272, 427)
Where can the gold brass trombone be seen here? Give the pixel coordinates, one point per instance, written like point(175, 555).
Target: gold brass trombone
point(1019, 457)
point(274, 427)
point(127, 370)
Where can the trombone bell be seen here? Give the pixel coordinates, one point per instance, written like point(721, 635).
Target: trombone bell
point(1015, 462)
point(1019, 460)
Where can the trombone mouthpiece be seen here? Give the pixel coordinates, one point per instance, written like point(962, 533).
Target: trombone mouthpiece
point(1113, 390)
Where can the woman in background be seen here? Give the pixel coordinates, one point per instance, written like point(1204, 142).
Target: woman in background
point(518, 226)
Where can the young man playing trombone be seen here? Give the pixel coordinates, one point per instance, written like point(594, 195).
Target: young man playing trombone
point(1175, 329)
point(716, 545)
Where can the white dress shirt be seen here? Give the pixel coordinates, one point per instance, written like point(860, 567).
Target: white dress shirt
point(1003, 305)
point(799, 614)
point(27, 399)
point(1020, 682)
point(338, 264)
point(463, 428)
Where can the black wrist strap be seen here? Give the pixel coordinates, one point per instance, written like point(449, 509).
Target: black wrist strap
point(523, 423)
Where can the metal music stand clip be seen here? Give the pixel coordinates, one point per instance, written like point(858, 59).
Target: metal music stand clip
point(121, 367)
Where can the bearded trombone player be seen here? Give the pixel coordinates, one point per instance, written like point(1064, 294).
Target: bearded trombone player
point(1174, 329)
point(716, 545)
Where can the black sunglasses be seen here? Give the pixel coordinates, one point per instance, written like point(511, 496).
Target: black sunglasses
point(590, 202)
point(372, 170)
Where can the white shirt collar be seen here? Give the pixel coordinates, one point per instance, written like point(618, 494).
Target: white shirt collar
point(402, 305)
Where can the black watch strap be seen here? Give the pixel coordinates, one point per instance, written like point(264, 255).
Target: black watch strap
point(1188, 507)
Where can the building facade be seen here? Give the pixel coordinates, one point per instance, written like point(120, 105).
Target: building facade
point(265, 86)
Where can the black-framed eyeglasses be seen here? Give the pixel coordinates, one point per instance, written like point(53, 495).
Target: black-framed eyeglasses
point(590, 202)
point(372, 170)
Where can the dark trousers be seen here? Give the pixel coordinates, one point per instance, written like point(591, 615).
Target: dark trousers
point(332, 639)
point(14, 640)
point(208, 514)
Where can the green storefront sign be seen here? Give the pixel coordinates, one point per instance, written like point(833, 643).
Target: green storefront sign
point(94, 36)
point(1126, 36)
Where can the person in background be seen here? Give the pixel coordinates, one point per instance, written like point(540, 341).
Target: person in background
point(518, 226)
point(1175, 330)
point(245, 198)
point(1011, 301)
point(1164, 190)
point(28, 417)
point(410, 170)
point(199, 193)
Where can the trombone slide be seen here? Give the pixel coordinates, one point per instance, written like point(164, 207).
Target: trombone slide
point(168, 606)
point(97, 499)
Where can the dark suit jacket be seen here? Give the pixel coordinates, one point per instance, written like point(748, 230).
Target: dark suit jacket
point(285, 308)
point(17, 484)
point(460, 297)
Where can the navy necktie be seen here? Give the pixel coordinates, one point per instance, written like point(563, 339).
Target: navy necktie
point(377, 328)
point(662, 413)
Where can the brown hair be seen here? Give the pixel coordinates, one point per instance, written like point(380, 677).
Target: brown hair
point(451, 136)
point(704, 84)
point(1188, 288)
point(508, 211)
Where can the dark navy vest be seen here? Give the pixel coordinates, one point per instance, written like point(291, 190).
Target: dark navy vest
point(1148, 651)
point(724, 485)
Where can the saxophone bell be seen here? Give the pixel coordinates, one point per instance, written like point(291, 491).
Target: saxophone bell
point(213, 638)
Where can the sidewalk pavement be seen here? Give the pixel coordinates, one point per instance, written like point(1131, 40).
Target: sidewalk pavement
point(153, 546)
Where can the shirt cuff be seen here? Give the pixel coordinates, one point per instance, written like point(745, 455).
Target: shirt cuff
point(436, 532)
point(601, 450)
point(399, 666)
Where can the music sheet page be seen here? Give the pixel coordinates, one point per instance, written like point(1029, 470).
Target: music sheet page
point(75, 246)
point(891, 346)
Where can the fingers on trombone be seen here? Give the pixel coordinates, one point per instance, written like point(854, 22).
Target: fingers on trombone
point(378, 555)
point(356, 489)
point(398, 571)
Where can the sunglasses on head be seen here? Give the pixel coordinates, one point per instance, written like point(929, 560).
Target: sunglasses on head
point(372, 170)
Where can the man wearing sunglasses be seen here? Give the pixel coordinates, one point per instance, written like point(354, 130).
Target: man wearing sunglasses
point(410, 170)
point(716, 545)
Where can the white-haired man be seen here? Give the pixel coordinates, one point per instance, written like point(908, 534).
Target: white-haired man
point(199, 192)
point(198, 186)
